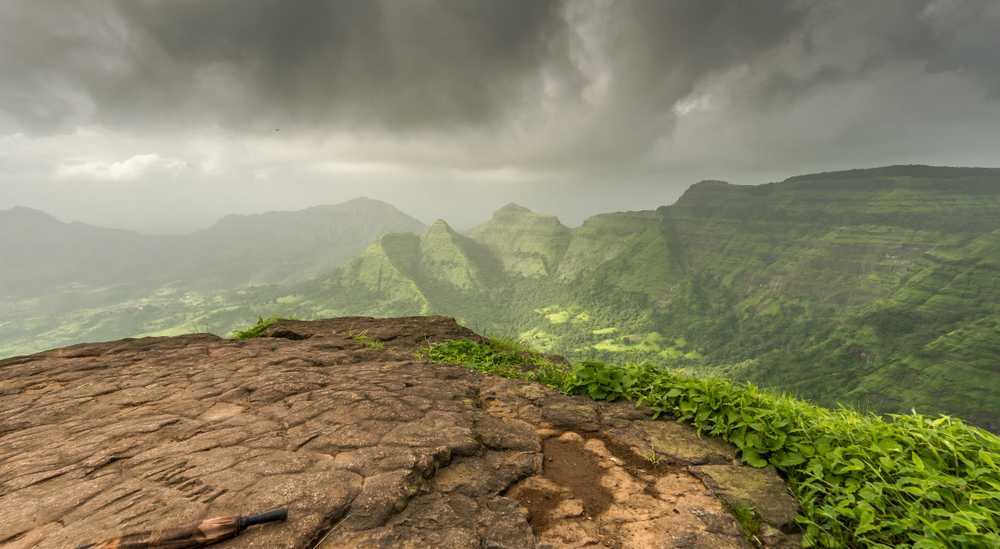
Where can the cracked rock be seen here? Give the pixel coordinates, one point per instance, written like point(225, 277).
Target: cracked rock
point(368, 447)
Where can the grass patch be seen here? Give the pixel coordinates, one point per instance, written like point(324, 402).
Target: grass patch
point(368, 341)
point(257, 329)
point(652, 457)
point(861, 480)
point(502, 357)
point(749, 522)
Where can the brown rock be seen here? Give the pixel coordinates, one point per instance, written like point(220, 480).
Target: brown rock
point(367, 445)
point(761, 489)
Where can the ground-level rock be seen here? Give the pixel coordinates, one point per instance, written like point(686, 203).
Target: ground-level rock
point(367, 444)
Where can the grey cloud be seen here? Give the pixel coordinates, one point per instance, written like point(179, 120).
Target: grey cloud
point(391, 65)
point(388, 66)
point(556, 94)
point(422, 64)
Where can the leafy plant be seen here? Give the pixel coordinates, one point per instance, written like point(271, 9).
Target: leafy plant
point(257, 329)
point(861, 480)
point(652, 457)
point(749, 521)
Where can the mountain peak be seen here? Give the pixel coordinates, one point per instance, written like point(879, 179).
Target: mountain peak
point(24, 212)
point(706, 190)
point(20, 218)
point(513, 207)
point(365, 201)
point(514, 213)
point(440, 225)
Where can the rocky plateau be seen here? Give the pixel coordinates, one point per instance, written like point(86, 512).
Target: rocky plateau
point(367, 444)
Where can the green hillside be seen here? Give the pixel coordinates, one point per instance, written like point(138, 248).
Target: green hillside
point(875, 288)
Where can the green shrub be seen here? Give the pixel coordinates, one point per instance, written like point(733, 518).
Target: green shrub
point(749, 521)
point(499, 357)
point(861, 480)
point(257, 329)
point(367, 340)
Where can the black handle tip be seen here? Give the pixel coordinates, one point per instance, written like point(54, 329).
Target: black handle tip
point(274, 515)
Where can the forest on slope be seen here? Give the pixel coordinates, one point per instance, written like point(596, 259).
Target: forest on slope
point(876, 288)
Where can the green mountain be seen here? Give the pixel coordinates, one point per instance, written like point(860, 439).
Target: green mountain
point(875, 288)
point(527, 244)
point(293, 246)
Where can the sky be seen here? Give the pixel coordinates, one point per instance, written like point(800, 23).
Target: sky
point(164, 116)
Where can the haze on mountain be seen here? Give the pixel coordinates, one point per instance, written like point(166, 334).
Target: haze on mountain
point(47, 255)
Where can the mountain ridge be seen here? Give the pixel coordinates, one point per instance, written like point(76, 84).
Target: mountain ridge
point(255, 248)
point(826, 272)
point(879, 293)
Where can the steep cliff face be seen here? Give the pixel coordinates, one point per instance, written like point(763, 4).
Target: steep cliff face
point(386, 273)
point(366, 442)
point(526, 243)
point(631, 249)
point(455, 260)
point(849, 286)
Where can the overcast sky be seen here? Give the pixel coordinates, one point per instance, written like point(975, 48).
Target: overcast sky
point(163, 116)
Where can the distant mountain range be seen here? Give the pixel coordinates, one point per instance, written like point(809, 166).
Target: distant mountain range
point(42, 253)
point(878, 288)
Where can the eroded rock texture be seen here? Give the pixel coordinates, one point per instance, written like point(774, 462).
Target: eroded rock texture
point(366, 444)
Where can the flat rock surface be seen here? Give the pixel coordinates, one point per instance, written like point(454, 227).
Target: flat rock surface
point(366, 443)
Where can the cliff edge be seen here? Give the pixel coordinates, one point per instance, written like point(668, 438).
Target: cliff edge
point(368, 445)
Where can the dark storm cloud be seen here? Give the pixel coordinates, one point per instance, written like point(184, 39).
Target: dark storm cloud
point(443, 64)
point(397, 65)
point(656, 53)
point(936, 35)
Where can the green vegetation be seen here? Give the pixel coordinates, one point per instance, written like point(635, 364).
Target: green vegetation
point(368, 341)
point(501, 357)
point(749, 521)
point(862, 480)
point(855, 287)
point(878, 289)
point(257, 329)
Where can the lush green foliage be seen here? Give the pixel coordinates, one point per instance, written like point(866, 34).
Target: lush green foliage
point(502, 357)
point(257, 329)
point(861, 480)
